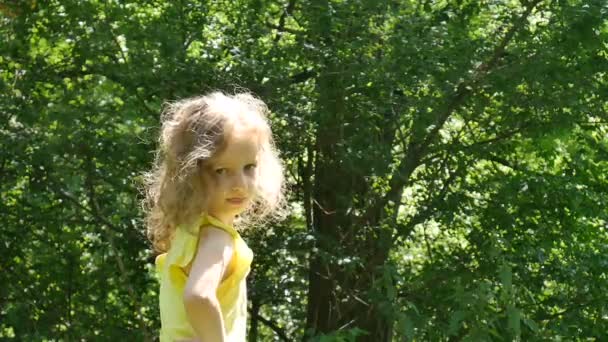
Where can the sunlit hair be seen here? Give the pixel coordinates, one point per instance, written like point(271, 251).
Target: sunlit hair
point(193, 130)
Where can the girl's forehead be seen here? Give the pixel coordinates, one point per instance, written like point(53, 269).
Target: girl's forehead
point(240, 146)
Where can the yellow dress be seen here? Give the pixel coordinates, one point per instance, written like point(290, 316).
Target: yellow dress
point(231, 293)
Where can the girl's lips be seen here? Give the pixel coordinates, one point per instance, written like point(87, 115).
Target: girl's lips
point(236, 200)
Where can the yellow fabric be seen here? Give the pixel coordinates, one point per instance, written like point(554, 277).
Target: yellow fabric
point(231, 293)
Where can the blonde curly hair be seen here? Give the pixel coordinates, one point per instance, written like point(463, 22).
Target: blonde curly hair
point(192, 131)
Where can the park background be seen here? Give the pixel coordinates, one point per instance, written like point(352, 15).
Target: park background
point(447, 164)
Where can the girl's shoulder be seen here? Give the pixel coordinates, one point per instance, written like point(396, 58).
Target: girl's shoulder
point(186, 239)
point(208, 221)
point(213, 243)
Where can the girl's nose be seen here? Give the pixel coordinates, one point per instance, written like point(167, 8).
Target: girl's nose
point(239, 181)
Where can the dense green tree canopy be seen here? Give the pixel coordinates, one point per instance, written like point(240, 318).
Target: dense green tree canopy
point(447, 159)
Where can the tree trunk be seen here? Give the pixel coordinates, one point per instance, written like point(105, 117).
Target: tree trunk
point(337, 295)
point(252, 336)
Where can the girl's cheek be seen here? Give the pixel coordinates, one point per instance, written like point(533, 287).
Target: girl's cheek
point(253, 180)
point(221, 183)
point(255, 187)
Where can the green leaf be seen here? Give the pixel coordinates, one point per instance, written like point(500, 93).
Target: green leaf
point(514, 317)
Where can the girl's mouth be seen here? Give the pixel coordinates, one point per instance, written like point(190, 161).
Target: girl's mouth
point(236, 200)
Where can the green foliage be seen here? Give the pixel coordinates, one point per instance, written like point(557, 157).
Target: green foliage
point(343, 335)
point(482, 122)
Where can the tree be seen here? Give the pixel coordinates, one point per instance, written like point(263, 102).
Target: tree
point(447, 162)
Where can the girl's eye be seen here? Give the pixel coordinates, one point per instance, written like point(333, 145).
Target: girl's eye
point(250, 167)
point(220, 171)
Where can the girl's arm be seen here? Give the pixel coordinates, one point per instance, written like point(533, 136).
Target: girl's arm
point(215, 249)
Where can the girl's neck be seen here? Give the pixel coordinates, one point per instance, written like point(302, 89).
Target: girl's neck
point(225, 219)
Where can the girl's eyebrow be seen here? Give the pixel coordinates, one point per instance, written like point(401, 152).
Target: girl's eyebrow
point(226, 165)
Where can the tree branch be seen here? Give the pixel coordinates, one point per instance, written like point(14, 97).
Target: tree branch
point(273, 326)
point(417, 149)
point(429, 205)
point(498, 137)
point(281, 27)
point(95, 213)
point(95, 208)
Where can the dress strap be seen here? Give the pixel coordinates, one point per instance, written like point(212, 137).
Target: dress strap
point(207, 219)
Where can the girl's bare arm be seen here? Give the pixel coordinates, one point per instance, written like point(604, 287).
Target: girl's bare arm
point(215, 249)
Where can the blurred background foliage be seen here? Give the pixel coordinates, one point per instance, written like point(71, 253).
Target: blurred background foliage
point(447, 159)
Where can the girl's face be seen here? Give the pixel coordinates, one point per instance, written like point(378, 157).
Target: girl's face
point(230, 176)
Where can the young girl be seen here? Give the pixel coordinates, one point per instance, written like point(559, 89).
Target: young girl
point(216, 168)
